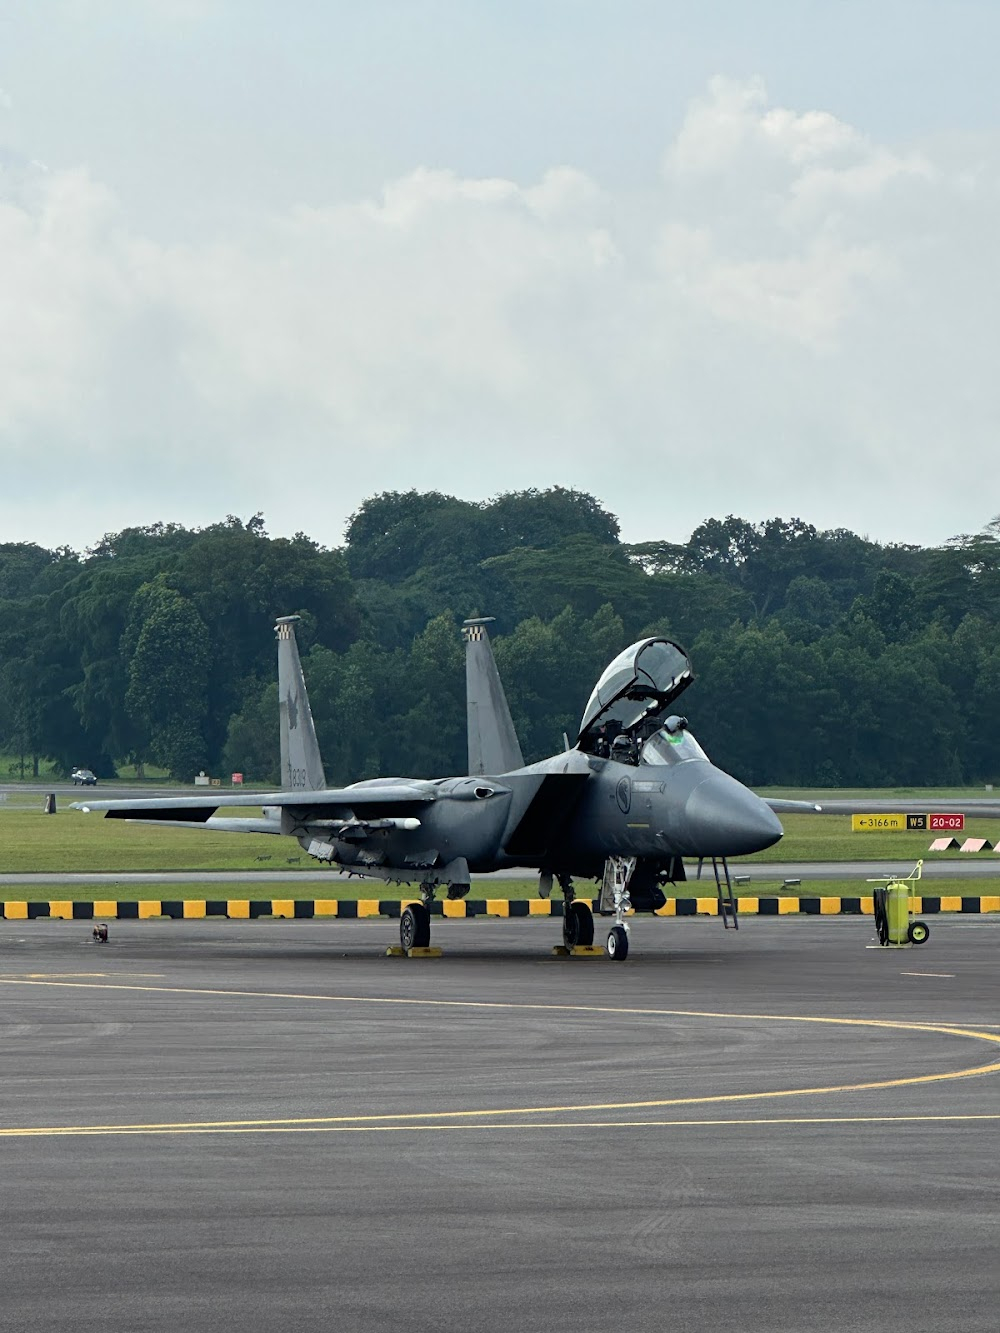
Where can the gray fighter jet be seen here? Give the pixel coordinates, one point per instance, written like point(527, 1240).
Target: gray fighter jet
point(634, 795)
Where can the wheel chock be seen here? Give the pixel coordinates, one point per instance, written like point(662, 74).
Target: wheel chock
point(578, 951)
point(397, 951)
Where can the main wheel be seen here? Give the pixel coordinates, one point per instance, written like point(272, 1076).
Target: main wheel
point(618, 943)
point(917, 932)
point(415, 926)
point(578, 925)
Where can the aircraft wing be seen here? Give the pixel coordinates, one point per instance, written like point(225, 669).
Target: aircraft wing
point(382, 801)
point(783, 807)
point(978, 806)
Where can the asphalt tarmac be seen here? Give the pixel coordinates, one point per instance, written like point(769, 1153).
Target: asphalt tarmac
point(273, 1126)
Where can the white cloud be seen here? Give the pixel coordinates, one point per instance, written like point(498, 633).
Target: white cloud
point(791, 319)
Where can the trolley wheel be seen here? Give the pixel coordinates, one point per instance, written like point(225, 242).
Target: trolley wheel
point(917, 932)
point(618, 943)
point(881, 917)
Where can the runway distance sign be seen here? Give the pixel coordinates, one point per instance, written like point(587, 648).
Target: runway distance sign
point(878, 823)
point(949, 822)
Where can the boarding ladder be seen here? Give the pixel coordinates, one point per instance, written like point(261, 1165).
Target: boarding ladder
point(724, 889)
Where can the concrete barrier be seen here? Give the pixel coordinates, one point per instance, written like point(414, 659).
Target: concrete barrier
point(242, 909)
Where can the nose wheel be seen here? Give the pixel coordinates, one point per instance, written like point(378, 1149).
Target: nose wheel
point(617, 944)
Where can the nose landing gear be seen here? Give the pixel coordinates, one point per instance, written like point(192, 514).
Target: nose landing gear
point(618, 943)
point(615, 898)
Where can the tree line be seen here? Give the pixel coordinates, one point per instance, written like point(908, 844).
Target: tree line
point(820, 657)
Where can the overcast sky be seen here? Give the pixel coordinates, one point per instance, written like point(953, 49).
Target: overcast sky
point(695, 259)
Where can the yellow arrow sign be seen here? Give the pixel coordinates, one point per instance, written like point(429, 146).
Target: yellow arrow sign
point(878, 823)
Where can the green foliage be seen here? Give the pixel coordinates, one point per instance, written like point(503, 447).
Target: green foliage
point(819, 657)
point(167, 695)
point(251, 746)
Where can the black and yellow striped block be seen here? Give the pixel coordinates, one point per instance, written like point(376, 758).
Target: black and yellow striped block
point(244, 909)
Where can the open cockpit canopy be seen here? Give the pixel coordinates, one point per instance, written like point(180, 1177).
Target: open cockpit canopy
point(637, 687)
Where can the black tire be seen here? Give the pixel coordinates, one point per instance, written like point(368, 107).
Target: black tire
point(618, 944)
point(415, 926)
point(578, 925)
point(881, 916)
point(918, 932)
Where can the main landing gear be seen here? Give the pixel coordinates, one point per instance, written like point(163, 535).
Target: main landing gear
point(415, 927)
point(578, 921)
point(578, 924)
point(415, 919)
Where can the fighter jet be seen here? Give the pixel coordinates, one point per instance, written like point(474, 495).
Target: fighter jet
point(623, 805)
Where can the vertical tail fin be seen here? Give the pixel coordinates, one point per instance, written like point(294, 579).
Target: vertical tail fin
point(301, 765)
point(493, 744)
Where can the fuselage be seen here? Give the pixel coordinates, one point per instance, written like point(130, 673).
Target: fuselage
point(572, 811)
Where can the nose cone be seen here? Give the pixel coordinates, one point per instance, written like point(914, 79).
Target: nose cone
point(723, 818)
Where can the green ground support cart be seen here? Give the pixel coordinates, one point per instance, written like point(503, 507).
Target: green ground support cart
point(893, 901)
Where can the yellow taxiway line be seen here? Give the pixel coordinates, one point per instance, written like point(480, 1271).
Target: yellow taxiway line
point(486, 1118)
point(319, 1127)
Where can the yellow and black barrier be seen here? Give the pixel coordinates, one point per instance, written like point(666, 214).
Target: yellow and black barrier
point(250, 909)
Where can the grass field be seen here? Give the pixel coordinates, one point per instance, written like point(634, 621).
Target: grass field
point(830, 838)
point(72, 841)
point(928, 794)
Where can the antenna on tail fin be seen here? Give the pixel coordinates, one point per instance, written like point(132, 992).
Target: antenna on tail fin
point(301, 765)
point(493, 744)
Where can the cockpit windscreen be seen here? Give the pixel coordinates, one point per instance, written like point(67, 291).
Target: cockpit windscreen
point(671, 747)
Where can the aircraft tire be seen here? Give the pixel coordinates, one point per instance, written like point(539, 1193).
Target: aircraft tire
point(415, 926)
point(578, 925)
point(618, 944)
point(918, 932)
